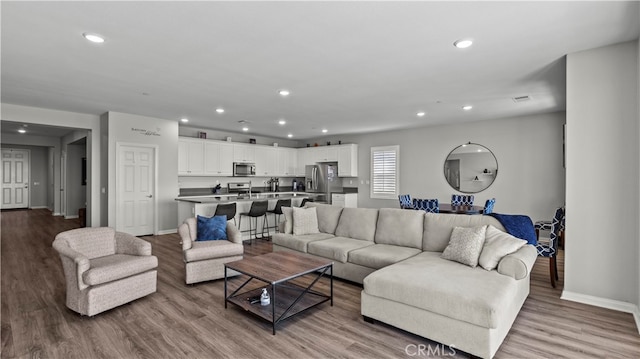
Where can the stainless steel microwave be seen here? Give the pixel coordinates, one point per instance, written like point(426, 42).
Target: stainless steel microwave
point(244, 169)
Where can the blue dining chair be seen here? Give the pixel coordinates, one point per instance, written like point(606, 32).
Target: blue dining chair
point(488, 206)
point(550, 249)
point(405, 201)
point(545, 225)
point(462, 200)
point(427, 205)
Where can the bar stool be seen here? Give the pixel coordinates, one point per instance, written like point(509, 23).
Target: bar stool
point(258, 209)
point(228, 209)
point(304, 201)
point(277, 211)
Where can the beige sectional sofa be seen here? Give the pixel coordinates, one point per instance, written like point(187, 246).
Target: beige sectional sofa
point(396, 255)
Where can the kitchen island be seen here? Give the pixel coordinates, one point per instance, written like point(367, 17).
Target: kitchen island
point(190, 206)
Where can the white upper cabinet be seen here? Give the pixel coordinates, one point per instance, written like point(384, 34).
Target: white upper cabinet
point(348, 160)
point(190, 157)
point(244, 153)
point(287, 161)
point(218, 158)
point(266, 159)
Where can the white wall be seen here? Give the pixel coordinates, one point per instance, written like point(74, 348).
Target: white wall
point(528, 149)
point(34, 115)
point(122, 128)
point(603, 177)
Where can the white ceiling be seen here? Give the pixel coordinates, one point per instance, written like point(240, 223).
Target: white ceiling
point(351, 67)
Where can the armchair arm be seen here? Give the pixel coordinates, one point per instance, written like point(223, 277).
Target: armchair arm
point(185, 234)
point(518, 265)
point(72, 258)
point(128, 244)
point(233, 234)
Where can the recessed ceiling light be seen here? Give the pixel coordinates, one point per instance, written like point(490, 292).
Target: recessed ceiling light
point(282, 122)
point(22, 130)
point(184, 119)
point(93, 37)
point(289, 135)
point(467, 107)
point(284, 93)
point(463, 44)
point(245, 129)
point(220, 110)
point(324, 130)
point(420, 114)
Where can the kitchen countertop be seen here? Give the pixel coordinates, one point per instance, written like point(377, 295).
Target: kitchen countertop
point(233, 197)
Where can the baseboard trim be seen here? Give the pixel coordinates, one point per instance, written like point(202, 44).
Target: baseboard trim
point(604, 303)
point(38, 207)
point(168, 231)
point(56, 214)
point(71, 217)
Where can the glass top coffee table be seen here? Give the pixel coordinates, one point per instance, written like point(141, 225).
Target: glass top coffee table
point(276, 270)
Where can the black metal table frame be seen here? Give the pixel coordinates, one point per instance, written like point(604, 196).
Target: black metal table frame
point(321, 271)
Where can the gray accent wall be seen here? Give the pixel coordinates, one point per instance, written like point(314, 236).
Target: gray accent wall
point(603, 176)
point(528, 149)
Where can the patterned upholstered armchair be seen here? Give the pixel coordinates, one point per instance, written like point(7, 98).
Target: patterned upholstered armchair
point(488, 206)
point(204, 260)
point(405, 201)
point(104, 268)
point(462, 200)
point(427, 205)
point(549, 248)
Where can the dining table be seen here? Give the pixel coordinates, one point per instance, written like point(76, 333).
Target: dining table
point(460, 209)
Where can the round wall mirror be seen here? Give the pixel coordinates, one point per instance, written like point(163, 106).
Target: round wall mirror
point(470, 168)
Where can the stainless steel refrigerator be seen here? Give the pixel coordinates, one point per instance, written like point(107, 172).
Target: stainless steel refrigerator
point(322, 178)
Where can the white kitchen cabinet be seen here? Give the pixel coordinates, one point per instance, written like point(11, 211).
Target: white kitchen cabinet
point(345, 200)
point(218, 158)
point(190, 157)
point(348, 160)
point(287, 161)
point(266, 159)
point(303, 160)
point(244, 152)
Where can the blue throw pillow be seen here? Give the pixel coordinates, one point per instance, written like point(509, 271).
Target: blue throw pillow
point(213, 228)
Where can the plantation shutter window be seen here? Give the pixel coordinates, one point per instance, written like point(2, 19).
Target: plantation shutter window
point(384, 172)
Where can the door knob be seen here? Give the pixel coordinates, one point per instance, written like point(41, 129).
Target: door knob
point(149, 196)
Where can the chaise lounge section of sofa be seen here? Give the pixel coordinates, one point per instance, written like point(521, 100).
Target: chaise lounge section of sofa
point(397, 256)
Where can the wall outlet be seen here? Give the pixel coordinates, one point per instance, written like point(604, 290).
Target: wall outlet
point(350, 181)
point(36, 183)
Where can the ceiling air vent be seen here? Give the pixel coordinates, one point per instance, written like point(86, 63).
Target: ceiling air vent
point(521, 99)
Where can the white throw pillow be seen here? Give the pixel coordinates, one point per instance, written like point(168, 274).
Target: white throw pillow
point(498, 244)
point(288, 219)
point(305, 221)
point(465, 245)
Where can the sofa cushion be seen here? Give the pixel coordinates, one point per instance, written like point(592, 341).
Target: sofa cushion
point(358, 223)
point(305, 221)
point(471, 295)
point(328, 216)
point(212, 249)
point(117, 266)
point(400, 227)
point(497, 244)
point(438, 227)
point(336, 248)
point(381, 255)
point(288, 220)
point(299, 243)
point(212, 228)
point(465, 245)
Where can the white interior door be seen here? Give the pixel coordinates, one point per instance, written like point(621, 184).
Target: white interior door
point(135, 190)
point(15, 178)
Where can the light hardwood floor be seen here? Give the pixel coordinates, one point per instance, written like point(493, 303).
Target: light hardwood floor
point(190, 321)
